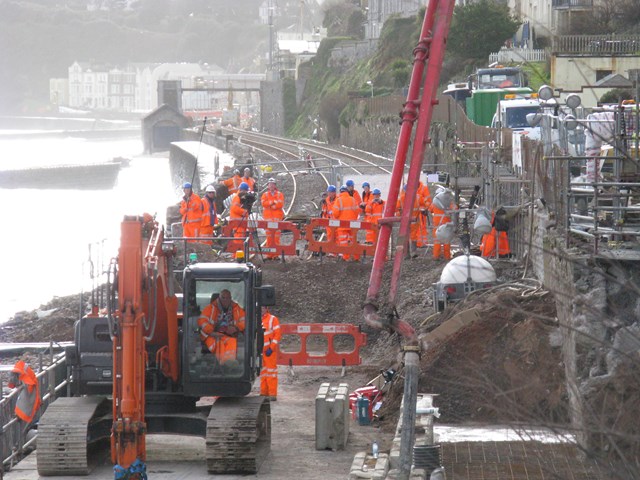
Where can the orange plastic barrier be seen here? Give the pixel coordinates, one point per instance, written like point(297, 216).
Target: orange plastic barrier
point(284, 227)
point(315, 245)
point(331, 356)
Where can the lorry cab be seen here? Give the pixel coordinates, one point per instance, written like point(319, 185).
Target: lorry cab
point(512, 112)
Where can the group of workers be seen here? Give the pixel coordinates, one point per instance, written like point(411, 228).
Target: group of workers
point(200, 218)
point(349, 204)
point(430, 215)
point(220, 323)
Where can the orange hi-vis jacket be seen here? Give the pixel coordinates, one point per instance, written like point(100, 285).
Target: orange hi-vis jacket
point(249, 181)
point(272, 205)
point(269, 372)
point(235, 209)
point(191, 211)
point(213, 322)
point(373, 212)
point(414, 228)
point(356, 196)
point(233, 183)
point(209, 214)
point(327, 207)
point(345, 207)
point(29, 400)
point(425, 195)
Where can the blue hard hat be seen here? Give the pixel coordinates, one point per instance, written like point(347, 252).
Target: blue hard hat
point(186, 185)
point(343, 188)
point(350, 183)
point(331, 188)
point(376, 191)
point(365, 184)
point(244, 186)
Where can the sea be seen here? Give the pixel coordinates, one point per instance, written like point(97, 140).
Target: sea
point(47, 234)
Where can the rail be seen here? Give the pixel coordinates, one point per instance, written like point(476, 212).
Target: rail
point(53, 380)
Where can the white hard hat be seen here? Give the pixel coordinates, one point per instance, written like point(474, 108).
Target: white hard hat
point(210, 188)
point(271, 180)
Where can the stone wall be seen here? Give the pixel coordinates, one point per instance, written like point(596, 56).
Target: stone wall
point(346, 54)
point(598, 307)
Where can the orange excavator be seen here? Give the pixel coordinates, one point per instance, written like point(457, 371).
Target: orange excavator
point(141, 367)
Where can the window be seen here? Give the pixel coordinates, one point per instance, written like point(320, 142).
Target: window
point(600, 74)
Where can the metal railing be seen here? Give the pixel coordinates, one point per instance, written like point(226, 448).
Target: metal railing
point(597, 44)
point(53, 381)
point(583, 4)
point(506, 55)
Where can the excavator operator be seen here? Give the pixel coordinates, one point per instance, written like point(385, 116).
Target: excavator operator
point(220, 323)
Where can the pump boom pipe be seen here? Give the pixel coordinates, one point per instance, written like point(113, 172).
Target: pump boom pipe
point(431, 47)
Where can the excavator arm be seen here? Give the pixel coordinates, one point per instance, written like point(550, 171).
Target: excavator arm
point(141, 317)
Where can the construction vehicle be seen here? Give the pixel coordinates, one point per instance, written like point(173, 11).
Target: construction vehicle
point(512, 112)
point(481, 105)
point(141, 367)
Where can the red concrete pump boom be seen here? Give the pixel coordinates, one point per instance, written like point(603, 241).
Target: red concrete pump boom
point(430, 52)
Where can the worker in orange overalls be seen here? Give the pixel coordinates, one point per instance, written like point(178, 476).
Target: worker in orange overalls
point(373, 212)
point(351, 188)
point(414, 228)
point(233, 183)
point(209, 214)
point(29, 400)
point(237, 211)
point(191, 211)
point(269, 372)
point(249, 180)
point(326, 210)
point(272, 210)
point(220, 323)
point(425, 198)
point(500, 227)
point(442, 201)
point(367, 196)
point(345, 207)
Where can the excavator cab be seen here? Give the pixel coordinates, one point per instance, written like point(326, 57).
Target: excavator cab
point(228, 364)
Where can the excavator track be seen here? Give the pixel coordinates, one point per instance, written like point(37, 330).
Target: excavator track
point(67, 431)
point(238, 435)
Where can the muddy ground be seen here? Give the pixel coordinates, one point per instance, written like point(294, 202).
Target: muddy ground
point(505, 368)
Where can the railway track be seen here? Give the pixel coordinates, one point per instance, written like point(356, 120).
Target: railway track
point(310, 166)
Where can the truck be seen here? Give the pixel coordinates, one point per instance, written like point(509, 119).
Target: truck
point(482, 104)
point(497, 76)
point(141, 366)
point(512, 112)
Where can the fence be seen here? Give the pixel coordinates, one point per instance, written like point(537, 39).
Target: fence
point(572, 4)
point(506, 55)
point(53, 381)
point(597, 44)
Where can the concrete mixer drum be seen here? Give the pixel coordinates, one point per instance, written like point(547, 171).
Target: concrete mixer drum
point(461, 276)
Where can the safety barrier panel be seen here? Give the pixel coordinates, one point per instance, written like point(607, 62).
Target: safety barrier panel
point(329, 331)
point(290, 228)
point(330, 246)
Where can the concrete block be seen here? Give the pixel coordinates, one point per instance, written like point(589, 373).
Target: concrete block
point(332, 416)
point(365, 466)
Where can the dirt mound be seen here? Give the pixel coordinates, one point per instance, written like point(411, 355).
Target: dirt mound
point(505, 367)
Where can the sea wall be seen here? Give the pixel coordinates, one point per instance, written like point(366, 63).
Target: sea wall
point(598, 308)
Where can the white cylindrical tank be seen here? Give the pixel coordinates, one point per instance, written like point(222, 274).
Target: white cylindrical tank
point(466, 267)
